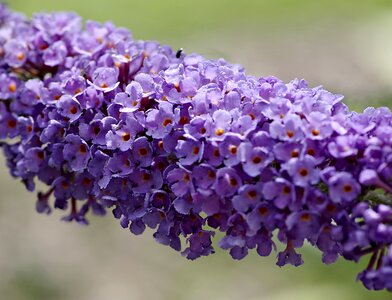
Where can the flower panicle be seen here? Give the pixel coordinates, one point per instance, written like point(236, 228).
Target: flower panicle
point(188, 146)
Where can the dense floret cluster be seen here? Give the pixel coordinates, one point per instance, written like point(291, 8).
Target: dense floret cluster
point(189, 146)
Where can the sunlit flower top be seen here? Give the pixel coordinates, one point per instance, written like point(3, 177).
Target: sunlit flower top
point(189, 146)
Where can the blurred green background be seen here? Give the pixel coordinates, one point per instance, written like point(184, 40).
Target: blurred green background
point(344, 45)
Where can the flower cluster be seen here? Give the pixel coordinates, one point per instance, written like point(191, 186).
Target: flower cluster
point(189, 146)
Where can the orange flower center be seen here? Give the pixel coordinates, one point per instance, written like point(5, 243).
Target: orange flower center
point(294, 153)
point(20, 56)
point(289, 133)
point(233, 149)
point(86, 181)
point(211, 174)
point(219, 131)
point(12, 87)
point(11, 123)
point(195, 150)
point(233, 181)
point(305, 217)
point(126, 136)
point(256, 160)
point(311, 152)
point(82, 149)
point(315, 132)
point(143, 151)
point(73, 110)
point(263, 211)
point(146, 176)
point(347, 188)
point(303, 172)
point(184, 120)
point(286, 190)
point(186, 177)
point(166, 122)
point(252, 194)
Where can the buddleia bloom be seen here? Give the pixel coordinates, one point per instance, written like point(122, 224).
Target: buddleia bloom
point(189, 146)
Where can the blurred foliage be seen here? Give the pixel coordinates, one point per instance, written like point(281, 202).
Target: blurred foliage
point(171, 20)
point(32, 284)
point(359, 106)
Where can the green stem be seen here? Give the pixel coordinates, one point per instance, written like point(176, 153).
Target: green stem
point(378, 197)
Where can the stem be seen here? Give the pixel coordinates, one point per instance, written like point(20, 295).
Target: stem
point(378, 197)
point(380, 257)
point(372, 260)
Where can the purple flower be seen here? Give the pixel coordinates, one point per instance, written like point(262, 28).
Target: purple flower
point(190, 151)
point(75, 215)
point(97, 130)
point(302, 171)
point(9, 125)
point(248, 197)
point(76, 152)
point(285, 151)
point(142, 152)
point(228, 148)
point(120, 164)
point(98, 163)
point(179, 179)
point(15, 53)
point(54, 132)
point(55, 54)
point(184, 204)
point(212, 155)
point(69, 107)
point(343, 146)
point(74, 85)
point(34, 158)
point(289, 256)
point(281, 191)
point(301, 225)
point(33, 89)
point(195, 128)
point(343, 187)
point(105, 79)
point(263, 215)
point(123, 137)
point(319, 127)
point(290, 130)
point(144, 181)
point(204, 176)
point(219, 124)
point(8, 86)
point(26, 128)
point(132, 97)
point(370, 177)
point(200, 244)
point(227, 182)
point(159, 122)
point(254, 159)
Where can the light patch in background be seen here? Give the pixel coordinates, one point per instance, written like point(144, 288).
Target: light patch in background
point(331, 54)
point(374, 43)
